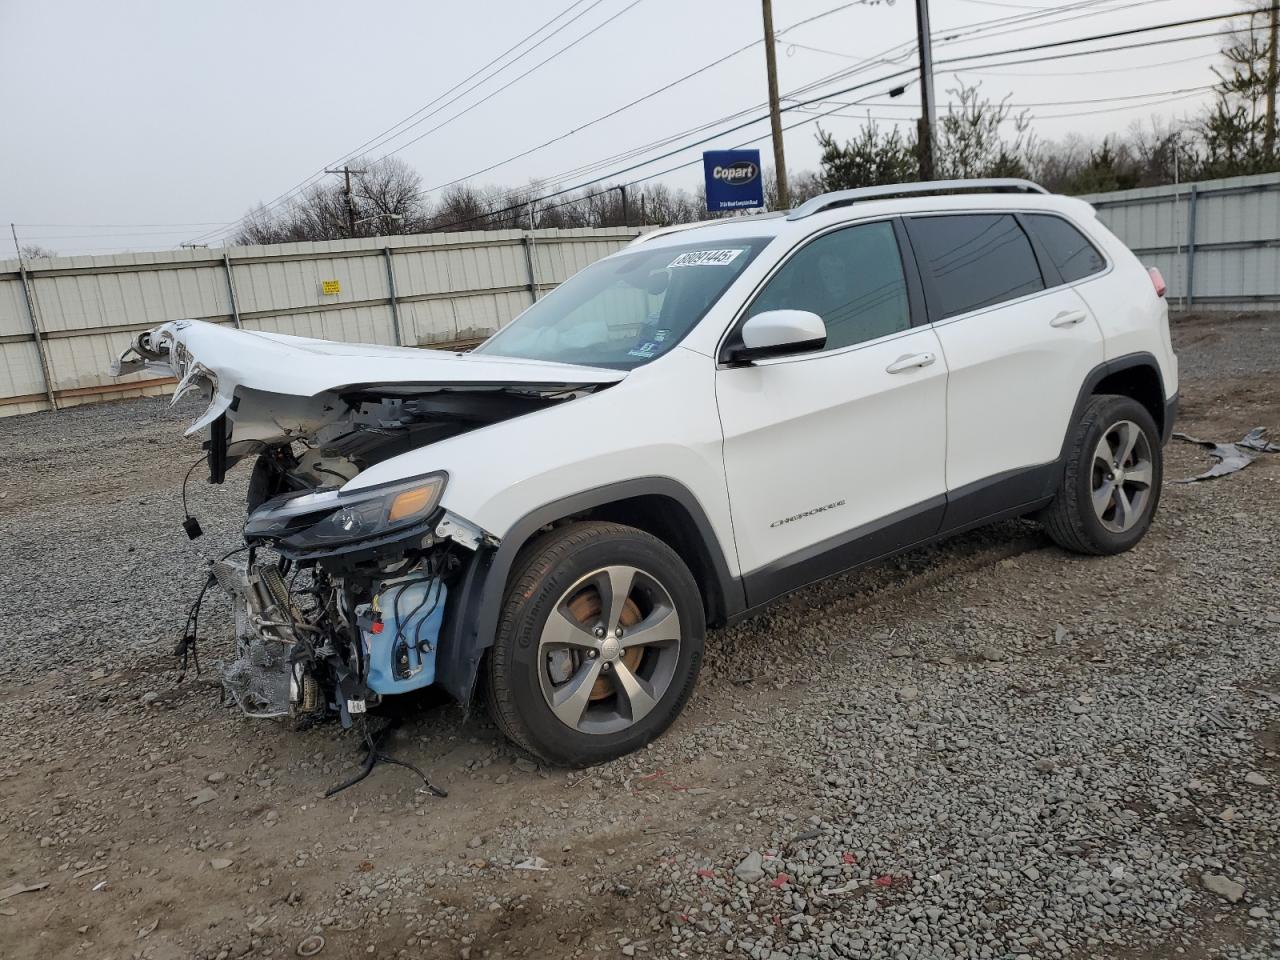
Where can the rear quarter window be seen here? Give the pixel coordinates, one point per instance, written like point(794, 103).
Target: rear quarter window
point(1068, 248)
point(973, 260)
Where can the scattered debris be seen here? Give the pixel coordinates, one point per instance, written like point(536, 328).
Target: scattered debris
point(1222, 886)
point(1230, 457)
point(220, 863)
point(201, 797)
point(532, 863)
point(18, 888)
point(148, 929)
point(311, 945)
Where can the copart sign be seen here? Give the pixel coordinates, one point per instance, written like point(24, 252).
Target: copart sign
point(733, 179)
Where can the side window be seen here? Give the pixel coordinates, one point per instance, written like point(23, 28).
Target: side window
point(1073, 255)
point(852, 278)
point(974, 260)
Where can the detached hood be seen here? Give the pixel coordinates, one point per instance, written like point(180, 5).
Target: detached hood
point(275, 387)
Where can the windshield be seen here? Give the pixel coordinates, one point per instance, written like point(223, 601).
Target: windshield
point(626, 310)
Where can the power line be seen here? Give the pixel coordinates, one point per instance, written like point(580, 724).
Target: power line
point(906, 46)
point(1132, 31)
point(514, 80)
point(1001, 21)
point(1028, 48)
point(379, 138)
point(1067, 103)
point(624, 107)
point(1087, 53)
point(957, 59)
point(180, 223)
point(952, 36)
point(101, 236)
point(967, 57)
point(1082, 73)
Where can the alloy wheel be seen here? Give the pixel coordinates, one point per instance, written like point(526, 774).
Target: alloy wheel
point(1121, 477)
point(609, 649)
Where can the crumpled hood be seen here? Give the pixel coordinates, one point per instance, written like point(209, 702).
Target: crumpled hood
point(253, 364)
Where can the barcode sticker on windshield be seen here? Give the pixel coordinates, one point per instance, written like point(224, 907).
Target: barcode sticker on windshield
point(705, 258)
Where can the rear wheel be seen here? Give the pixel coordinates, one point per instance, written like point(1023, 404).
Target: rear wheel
point(599, 645)
point(1111, 482)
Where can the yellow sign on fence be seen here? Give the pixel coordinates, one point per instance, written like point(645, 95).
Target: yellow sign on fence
point(330, 288)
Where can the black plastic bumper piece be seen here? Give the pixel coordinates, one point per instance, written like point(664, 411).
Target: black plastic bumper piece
point(1170, 415)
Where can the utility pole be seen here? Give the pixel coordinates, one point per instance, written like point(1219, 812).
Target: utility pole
point(927, 106)
point(1269, 138)
point(346, 172)
point(775, 115)
point(626, 220)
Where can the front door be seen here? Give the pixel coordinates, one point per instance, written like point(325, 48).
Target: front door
point(838, 456)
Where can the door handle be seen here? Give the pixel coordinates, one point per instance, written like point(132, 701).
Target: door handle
point(1068, 318)
point(910, 362)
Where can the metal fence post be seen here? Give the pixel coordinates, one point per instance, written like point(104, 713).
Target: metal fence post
point(1191, 246)
point(527, 240)
point(391, 289)
point(35, 331)
point(231, 289)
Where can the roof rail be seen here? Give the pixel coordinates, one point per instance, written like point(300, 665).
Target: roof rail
point(840, 198)
point(681, 227)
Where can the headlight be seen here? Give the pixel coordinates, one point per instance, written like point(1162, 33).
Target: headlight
point(329, 519)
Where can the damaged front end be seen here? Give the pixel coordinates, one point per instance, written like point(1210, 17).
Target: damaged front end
point(342, 598)
point(342, 595)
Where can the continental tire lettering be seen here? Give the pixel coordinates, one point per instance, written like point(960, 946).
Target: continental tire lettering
point(808, 513)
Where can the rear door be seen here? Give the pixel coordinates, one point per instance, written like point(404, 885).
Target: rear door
point(1018, 344)
point(835, 457)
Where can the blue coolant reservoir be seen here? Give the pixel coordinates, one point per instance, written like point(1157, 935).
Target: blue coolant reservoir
point(402, 652)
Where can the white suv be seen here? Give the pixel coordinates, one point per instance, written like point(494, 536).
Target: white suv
point(679, 434)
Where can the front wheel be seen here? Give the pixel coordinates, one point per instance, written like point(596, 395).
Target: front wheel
point(599, 645)
point(1111, 481)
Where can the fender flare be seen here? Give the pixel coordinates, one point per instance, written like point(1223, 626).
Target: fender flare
point(1105, 369)
point(471, 625)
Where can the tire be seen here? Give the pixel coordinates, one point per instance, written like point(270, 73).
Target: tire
point(1072, 519)
point(622, 695)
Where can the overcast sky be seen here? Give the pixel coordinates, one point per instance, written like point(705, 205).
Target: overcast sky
point(143, 123)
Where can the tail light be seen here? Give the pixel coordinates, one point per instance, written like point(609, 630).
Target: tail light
point(1157, 281)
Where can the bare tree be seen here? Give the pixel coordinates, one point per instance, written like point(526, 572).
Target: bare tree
point(971, 140)
point(30, 251)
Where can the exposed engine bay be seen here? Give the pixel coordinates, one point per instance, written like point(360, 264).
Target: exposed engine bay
point(332, 644)
point(341, 597)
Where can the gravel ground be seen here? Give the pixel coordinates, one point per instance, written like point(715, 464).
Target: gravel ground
point(985, 749)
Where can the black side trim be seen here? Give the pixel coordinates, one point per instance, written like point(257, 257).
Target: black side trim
point(470, 628)
point(854, 548)
point(911, 271)
point(1015, 490)
point(1049, 272)
point(1170, 415)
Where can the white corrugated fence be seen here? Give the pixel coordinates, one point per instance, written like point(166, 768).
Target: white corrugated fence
point(1217, 242)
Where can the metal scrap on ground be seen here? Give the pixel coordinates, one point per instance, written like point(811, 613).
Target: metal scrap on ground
point(1230, 457)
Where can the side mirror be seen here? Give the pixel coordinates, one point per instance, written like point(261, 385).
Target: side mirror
point(777, 333)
